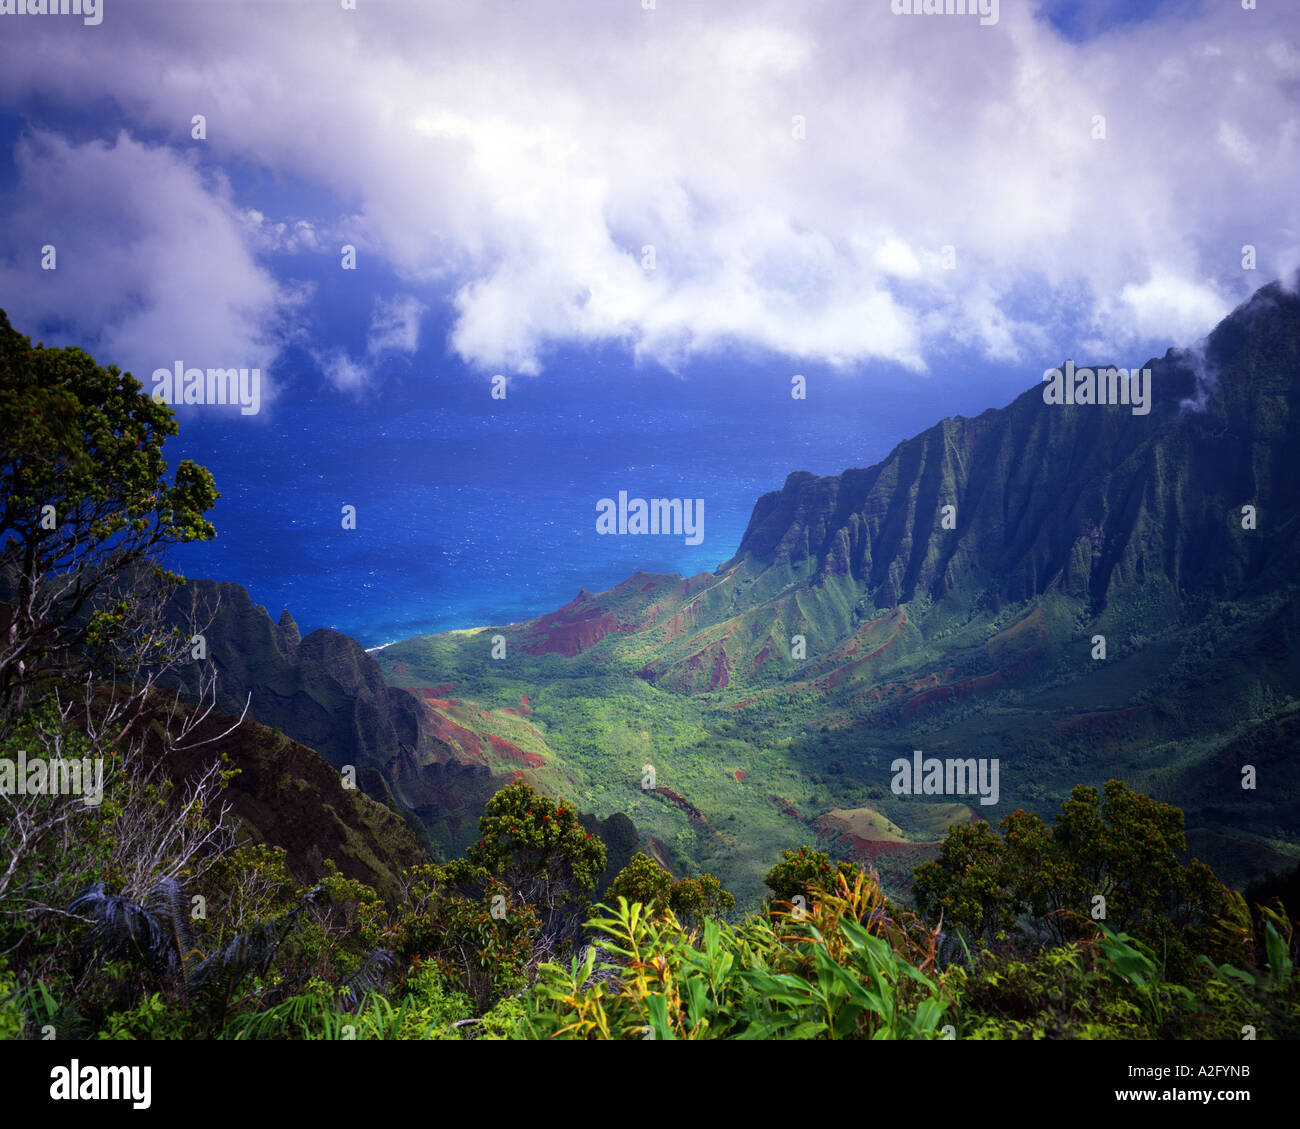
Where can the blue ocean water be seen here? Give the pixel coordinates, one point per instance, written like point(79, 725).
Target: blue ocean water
point(472, 511)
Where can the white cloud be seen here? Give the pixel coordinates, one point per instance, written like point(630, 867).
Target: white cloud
point(1170, 303)
point(153, 261)
point(515, 159)
point(394, 328)
point(894, 257)
point(395, 325)
point(342, 371)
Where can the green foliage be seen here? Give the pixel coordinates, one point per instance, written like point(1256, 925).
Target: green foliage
point(537, 845)
point(801, 871)
point(427, 1009)
point(86, 441)
point(1055, 993)
point(1134, 963)
point(464, 953)
point(1121, 855)
point(965, 887)
point(539, 850)
point(154, 1017)
point(11, 1012)
point(842, 970)
point(1267, 998)
point(471, 926)
point(691, 899)
point(642, 880)
point(507, 1020)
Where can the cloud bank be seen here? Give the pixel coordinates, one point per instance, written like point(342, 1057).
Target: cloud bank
point(827, 182)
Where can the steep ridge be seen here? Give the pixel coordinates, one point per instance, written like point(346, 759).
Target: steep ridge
point(432, 759)
point(284, 795)
point(326, 692)
point(1134, 517)
point(852, 608)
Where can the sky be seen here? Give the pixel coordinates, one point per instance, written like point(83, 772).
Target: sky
point(611, 204)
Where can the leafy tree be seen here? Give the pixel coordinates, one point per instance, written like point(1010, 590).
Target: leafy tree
point(801, 870)
point(642, 880)
point(87, 501)
point(691, 899)
point(1118, 857)
point(541, 852)
point(463, 921)
point(966, 884)
point(694, 899)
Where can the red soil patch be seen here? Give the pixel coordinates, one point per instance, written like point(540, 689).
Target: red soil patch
point(721, 674)
point(1109, 722)
point(458, 736)
point(944, 695)
point(787, 808)
point(868, 850)
point(576, 627)
point(870, 846)
point(720, 668)
point(679, 625)
point(509, 751)
point(522, 711)
point(682, 802)
point(873, 847)
point(837, 676)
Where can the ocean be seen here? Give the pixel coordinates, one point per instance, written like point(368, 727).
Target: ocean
point(471, 511)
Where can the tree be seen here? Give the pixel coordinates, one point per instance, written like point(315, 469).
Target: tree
point(691, 899)
point(1123, 849)
point(1114, 861)
point(966, 884)
point(87, 502)
point(543, 854)
point(462, 919)
point(642, 880)
point(799, 871)
point(694, 899)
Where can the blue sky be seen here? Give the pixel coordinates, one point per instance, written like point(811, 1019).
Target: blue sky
point(620, 209)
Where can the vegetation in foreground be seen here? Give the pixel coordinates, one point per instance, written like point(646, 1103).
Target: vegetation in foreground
point(504, 943)
point(150, 912)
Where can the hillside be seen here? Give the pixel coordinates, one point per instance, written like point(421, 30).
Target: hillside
point(1070, 522)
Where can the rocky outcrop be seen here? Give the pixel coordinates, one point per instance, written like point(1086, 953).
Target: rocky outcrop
point(324, 691)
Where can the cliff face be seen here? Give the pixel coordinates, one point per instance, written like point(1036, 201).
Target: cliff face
point(1154, 496)
point(1134, 519)
point(285, 795)
point(325, 692)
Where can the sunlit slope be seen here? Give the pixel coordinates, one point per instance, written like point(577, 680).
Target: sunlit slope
point(1102, 604)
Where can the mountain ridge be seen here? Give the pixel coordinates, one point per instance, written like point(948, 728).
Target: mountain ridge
point(849, 609)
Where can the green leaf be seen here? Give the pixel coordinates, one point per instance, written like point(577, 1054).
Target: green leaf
point(1279, 961)
point(658, 1008)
